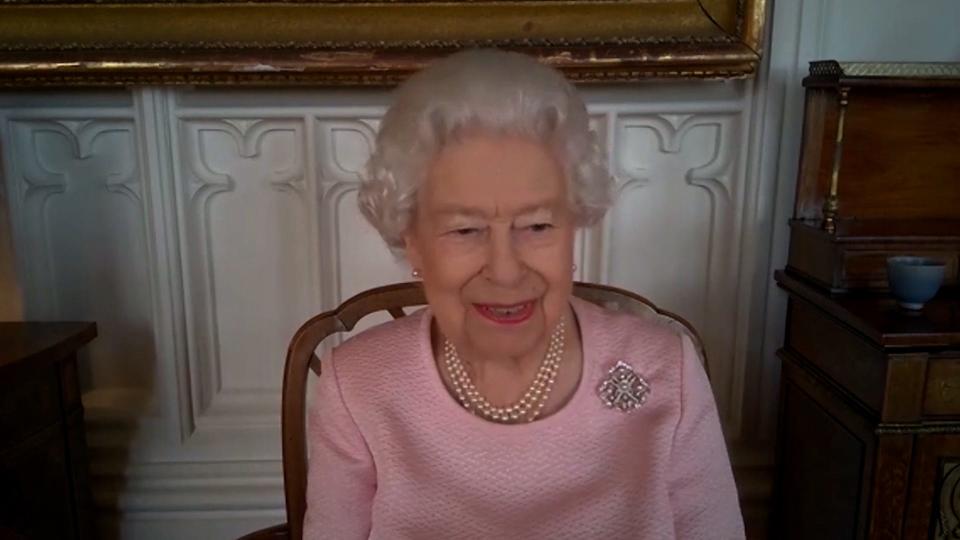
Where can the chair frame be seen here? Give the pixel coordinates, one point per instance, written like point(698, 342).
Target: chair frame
point(302, 358)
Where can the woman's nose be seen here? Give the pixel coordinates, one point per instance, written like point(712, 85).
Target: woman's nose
point(504, 265)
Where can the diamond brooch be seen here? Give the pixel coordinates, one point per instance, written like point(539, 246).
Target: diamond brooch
point(623, 389)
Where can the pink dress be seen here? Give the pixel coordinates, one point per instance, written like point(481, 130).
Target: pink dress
point(393, 456)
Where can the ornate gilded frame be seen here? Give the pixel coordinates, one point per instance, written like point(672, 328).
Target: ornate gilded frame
point(361, 42)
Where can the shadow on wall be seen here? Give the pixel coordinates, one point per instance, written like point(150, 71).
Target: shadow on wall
point(11, 308)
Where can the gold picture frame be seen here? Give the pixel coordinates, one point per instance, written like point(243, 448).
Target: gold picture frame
point(360, 42)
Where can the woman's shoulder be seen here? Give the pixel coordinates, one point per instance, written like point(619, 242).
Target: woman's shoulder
point(381, 348)
point(622, 326)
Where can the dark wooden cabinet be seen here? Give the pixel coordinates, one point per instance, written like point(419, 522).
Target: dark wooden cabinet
point(44, 488)
point(869, 435)
point(879, 172)
point(869, 423)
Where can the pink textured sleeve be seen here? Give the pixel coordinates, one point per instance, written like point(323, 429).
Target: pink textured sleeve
point(341, 480)
point(702, 490)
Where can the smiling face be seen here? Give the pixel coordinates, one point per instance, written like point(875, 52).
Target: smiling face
point(493, 239)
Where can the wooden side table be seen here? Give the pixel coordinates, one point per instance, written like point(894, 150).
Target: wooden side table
point(869, 428)
point(44, 487)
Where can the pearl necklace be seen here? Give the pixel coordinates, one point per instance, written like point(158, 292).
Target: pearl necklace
point(529, 406)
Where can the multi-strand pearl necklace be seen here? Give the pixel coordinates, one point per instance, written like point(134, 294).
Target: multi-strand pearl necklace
point(528, 408)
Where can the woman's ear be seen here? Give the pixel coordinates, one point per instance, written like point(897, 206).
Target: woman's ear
point(412, 249)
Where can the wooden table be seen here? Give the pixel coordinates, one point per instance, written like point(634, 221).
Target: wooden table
point(869, 431)
point(44, 489)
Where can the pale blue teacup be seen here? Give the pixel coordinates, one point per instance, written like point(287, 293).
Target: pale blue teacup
point(914, 280)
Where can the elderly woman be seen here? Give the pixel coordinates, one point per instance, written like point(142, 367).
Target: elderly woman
point(481, 416)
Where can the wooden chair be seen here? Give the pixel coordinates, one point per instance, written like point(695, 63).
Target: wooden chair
point(301, 358)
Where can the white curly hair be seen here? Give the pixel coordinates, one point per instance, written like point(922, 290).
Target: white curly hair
point(486, 91)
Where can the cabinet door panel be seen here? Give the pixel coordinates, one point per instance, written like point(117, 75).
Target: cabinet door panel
point(934, 508)
point(825, 463)
point(35, 489)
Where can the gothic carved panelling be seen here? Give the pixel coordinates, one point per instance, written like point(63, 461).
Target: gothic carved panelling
point(355, 258)
point(200, 228)
point(247, 233)
point(76, 197)
point(673, 229)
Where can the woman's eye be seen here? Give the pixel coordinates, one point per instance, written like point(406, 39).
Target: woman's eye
point(465, 231)
point(540, 227)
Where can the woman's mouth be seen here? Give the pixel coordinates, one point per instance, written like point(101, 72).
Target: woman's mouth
point(506, 314)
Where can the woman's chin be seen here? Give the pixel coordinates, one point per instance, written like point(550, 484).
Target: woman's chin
point(510, 341)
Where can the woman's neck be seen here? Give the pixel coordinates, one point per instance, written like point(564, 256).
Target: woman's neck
point(503, 379)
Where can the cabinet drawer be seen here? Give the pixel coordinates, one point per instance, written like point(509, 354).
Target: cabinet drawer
point(942, 395)
point(28, 404)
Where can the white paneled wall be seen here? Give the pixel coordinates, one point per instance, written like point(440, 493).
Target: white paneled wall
point(199, 228)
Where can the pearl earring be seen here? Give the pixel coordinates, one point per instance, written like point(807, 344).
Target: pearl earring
point(574, 269)
point(415, 273)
